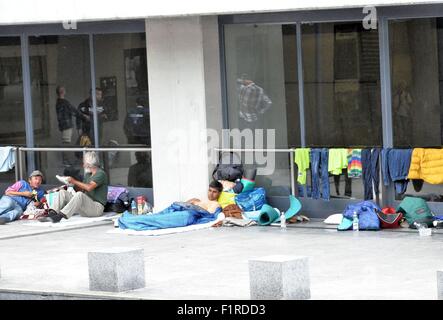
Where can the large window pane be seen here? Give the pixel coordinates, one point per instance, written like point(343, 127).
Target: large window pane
point(262, 89)
point(12, 119)
point(121, 74)
point(416, 48)
point(417, 79)
point(342, 85)
point(60, 82)
point(58, 61)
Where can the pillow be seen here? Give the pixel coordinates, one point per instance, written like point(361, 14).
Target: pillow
point(334, 219)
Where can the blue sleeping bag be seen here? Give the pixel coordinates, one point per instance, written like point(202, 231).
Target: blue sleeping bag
point(179, 214)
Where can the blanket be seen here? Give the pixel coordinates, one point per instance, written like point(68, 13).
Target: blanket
point(160, 232)
point(179, 214)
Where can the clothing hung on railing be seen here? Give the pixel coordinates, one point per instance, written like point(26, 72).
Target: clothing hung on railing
point(395, 167)
point(370, 175)
point(7, 158)
point(427, 165)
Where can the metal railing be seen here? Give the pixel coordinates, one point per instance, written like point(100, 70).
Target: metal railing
point(20, 165)
point(291, 159)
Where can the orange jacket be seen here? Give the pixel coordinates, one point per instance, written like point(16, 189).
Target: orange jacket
point(427, 164)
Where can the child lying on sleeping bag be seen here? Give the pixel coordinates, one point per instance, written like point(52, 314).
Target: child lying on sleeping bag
point(179, 214)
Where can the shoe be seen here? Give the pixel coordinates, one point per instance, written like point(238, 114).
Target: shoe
point(3, 221)
point(55, 216)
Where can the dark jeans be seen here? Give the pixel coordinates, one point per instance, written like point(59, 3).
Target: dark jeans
point(348, 184)
point(371, 167)
point(395, 167)
point(319, 169)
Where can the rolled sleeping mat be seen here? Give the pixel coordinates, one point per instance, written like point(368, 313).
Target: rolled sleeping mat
point(250, 174)
point(248, 185)
point(294, 208)
point(267, 215)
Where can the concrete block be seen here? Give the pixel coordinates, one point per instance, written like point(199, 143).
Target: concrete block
point(440, 284)
point(116, 269)
point(279, 277)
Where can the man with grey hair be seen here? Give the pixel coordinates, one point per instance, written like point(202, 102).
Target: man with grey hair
point(90, 197)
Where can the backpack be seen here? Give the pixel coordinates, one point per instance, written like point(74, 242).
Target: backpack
point(416, 210)
point(389, 218)
point(117, 199)
point(229, 167)
point(251, 200)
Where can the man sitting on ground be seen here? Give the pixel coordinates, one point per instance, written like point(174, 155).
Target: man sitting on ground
point(91, 196)
point(18, 196)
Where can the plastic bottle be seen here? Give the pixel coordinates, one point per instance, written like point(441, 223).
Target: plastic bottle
point(282, 220)
point(355, 221)
point(423, 229)
point(133, 207)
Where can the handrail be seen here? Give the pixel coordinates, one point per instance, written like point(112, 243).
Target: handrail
point(50, 149)
point(20, 153)
point(254, 150)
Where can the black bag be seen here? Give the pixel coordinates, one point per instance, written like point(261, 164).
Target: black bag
point(229, 167)
point(119, 205)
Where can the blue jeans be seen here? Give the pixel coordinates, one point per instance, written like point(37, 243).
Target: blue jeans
point(371, 166)
point(9, 209)
point(319, 169)
point(395, 167)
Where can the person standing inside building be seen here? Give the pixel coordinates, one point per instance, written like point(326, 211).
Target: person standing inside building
point(65, 112)
point(86, 108)
point(137, 124)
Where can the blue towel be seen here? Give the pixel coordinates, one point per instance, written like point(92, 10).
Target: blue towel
point(179, 214)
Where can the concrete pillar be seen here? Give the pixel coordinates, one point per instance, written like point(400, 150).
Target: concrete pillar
point(440, 284)
point(177, 97)
point(116, 269)
point(279, 277)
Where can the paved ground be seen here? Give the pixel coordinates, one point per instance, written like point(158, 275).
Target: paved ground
point(213, 264)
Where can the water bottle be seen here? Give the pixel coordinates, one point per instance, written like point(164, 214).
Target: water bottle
point(355, 221)
point(133, 207)
point(282, 220)
point(422, 229)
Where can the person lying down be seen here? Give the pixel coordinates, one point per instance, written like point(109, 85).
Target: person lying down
point(178, 214)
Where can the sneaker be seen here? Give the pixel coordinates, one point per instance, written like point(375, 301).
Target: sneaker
point(3, 221)
point(55, 216)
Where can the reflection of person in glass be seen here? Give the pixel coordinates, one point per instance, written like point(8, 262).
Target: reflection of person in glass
point(253, 103)
point(86, 108)
point(65, 111)
point(402, 107)
point(137, 124)
point(140, 174)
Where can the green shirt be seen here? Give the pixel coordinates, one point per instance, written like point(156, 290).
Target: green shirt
point(100, 193)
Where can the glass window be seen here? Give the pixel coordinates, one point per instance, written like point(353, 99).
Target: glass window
point(121, 73)
point(342, 85)
point(60, 82)
point(417, 81)
point(262, 86)
point(262, 90)
point(12, 120)
point(416, 50)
